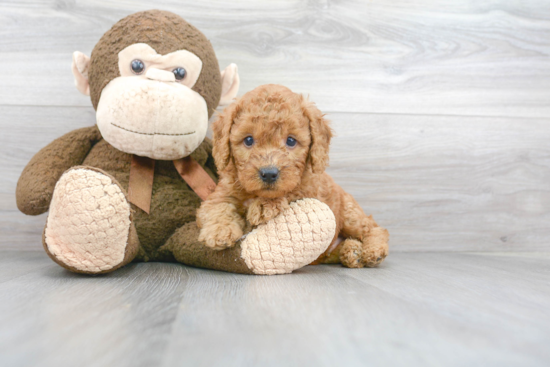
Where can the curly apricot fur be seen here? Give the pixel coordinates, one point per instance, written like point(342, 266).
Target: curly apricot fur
point(270, 114)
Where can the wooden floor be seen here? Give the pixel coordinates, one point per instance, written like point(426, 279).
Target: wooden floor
point(418, 309)
point(442, 117)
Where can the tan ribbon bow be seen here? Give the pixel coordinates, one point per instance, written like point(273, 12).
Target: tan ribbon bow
point(142, 172)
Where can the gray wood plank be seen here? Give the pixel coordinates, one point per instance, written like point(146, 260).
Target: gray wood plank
point(424, 57)
point(439, 183)
point(17, 263)
point(55, 318)
point(321, 316)
point(417, 309)
point(448, 183)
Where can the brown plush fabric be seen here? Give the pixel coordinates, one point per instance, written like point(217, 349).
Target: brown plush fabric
point(187, 249)
point(165, 32)
point(173, 203)
point(35, 186)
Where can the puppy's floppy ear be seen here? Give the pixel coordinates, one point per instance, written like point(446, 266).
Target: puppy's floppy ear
point(221, 129)
point(321, 133)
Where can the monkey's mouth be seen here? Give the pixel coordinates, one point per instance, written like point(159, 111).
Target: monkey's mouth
point(141, 133)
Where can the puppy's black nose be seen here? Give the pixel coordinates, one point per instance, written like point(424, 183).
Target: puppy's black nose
point(269, 174)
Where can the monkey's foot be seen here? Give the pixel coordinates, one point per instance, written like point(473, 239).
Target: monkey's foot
point(293, 239)
point(89, 228)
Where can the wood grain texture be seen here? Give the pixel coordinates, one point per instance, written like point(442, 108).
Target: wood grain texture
point(436, 182)
point(442, 116)
point(417, 309)
point(423, 57)
point(448, 183)
point(404, 83)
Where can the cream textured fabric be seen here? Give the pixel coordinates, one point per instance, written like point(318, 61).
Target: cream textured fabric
point(150, 118)
point(89, 221)
point(230, 84)
point(80, 66)
point(290, 241)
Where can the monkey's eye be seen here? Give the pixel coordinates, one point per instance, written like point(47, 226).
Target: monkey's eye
point(179, 73)
point(291, 142)
point(248, 141)
point(138, 66)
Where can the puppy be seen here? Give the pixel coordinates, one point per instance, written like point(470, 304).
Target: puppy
point(271, 148)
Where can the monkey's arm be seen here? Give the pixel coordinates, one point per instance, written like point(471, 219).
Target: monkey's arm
point(292, 240)
point(37, 182)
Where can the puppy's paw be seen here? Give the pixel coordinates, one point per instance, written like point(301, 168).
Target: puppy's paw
point(220, 237)
point(350, 253)
point(263, 210)
point(375, 247)
point(255, 215)
point(369, 253)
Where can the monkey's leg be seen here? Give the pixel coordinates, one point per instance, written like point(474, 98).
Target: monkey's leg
point(89, 228)
point(288, 242)
point(366, 243)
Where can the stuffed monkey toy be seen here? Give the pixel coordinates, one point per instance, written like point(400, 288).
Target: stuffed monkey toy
point(128, 188)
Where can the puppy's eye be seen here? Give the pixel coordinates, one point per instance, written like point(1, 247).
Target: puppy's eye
point(137, 66)
point(291, 142)
point(248, 141)
point(179, 73)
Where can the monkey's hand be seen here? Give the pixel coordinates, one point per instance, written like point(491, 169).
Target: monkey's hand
point(262, 210)
point(37, 182)
point(221, 225)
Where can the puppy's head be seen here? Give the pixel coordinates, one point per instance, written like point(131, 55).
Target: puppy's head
point(268, 138)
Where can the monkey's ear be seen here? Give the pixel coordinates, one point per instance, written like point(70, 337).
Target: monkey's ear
point(221, 129)
point(230, 84)
point(80, 66)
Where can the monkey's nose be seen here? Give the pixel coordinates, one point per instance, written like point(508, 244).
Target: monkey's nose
point(160, 75)
point(269, 174)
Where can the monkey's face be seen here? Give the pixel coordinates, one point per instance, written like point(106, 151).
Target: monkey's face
point(150, 109)
point(154, 81)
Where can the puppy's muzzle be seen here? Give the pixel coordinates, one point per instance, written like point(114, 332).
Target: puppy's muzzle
point(269, 174)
